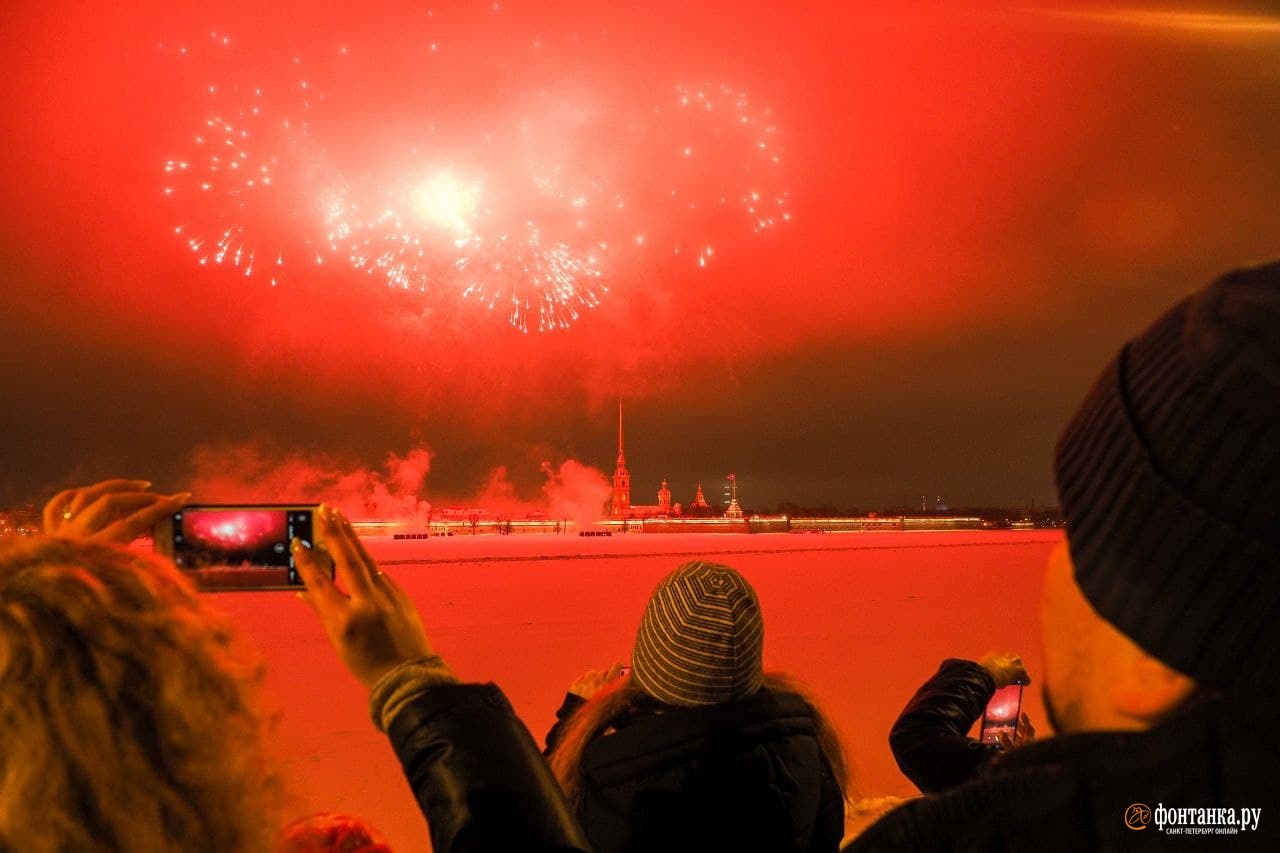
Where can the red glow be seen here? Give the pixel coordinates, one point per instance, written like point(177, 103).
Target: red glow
point(511, 100)
point(983, 198)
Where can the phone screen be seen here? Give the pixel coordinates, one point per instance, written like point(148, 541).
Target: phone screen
point(227, 547)
point(1002, 714)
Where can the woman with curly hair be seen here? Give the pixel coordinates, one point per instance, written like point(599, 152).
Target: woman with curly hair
point(128, 710)
point(697, 748)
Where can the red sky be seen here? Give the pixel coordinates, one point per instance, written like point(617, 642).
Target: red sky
point(983, 205)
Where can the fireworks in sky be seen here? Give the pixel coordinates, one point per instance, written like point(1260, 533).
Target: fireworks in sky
point(534, 204)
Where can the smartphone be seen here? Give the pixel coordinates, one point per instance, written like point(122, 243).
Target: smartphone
point(1002, 714)
point(225, 547)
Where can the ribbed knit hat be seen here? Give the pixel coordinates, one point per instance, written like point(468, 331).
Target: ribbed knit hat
point(701, 640)
point(1169, 477)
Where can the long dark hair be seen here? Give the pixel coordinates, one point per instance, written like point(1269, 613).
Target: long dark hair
point(620, 697)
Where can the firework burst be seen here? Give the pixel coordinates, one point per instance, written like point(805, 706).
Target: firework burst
point(552, 204)
point(242, 190)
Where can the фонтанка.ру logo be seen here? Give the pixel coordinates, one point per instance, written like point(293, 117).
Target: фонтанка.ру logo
point(1137, 816)
point(1212, 820)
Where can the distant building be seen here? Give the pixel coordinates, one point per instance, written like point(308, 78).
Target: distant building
point(620, 503)
point(20, 521)
point(621, 507)
point(939, 506)
point(734, 510)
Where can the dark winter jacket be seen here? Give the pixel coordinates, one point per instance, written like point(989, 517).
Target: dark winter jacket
point(1074, 792)
point(930, 738)
point(745, 775)
point(478, 776)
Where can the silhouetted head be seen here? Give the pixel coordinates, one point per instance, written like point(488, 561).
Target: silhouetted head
point(1169, 478)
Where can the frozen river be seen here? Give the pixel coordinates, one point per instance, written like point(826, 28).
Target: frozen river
point(862, 618)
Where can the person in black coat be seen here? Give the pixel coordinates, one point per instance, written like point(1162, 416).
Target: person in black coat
point(930, 738)
point(1159, 612)
point(472, 765)
point(696, 748)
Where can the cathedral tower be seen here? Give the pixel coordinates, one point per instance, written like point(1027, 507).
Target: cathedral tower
point(620, 503)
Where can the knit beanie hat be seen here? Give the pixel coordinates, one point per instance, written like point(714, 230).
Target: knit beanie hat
point(701, 640)
point(1169, 478)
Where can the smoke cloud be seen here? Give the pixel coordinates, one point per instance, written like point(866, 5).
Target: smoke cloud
point(255, 472)
point(252, 473)
point(575, 491)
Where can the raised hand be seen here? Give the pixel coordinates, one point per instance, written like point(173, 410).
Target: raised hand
point(1006, 668)
point(591, 682)
point(369, 619)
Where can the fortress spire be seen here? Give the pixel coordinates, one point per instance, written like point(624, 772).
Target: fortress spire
point(622, 462)
point(620, 502)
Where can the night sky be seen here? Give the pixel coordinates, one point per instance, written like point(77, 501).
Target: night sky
point(959, 216)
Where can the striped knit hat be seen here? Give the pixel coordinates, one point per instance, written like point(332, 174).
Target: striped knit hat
point(701, 640)
point(1169, 476)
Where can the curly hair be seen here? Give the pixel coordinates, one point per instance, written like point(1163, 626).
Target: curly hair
point(129, 711)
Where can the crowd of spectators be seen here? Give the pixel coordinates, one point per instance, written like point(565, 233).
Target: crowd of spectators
point(130, 715)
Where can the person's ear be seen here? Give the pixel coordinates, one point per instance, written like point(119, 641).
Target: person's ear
point(1147, 691)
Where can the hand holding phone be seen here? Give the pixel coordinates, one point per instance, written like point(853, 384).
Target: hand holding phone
point(116, 511)
point(1004, 668)
point(237, 546)
point(370, 620)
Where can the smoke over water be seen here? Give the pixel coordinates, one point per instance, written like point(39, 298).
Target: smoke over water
point(253, 472)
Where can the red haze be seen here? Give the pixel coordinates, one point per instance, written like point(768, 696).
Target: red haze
point(975, 190)
point(867, 254)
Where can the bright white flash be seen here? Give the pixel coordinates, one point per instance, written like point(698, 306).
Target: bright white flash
point(446, 202)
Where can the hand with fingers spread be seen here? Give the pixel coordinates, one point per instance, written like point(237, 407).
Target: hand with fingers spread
point(590, 683)
point(369, 618)
point(116, 511)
